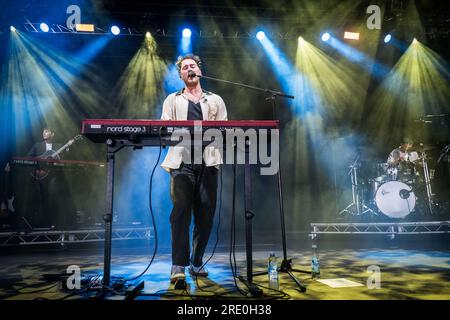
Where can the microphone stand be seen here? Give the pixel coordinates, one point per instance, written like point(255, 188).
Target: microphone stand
point(271, 92)
point(286, 263)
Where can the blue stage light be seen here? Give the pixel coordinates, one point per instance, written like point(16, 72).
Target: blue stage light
point(115, 30)
point(44, 27)
point(325, 36)
point(260, 35)
point(187, 32)
point(387, 38)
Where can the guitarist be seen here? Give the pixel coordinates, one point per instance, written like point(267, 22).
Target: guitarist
point(44, 205)
point(44, 147)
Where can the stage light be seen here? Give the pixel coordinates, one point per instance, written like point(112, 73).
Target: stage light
point(364, 60)
point(115, 30)
point(187, 32)
point(325, 36)
point(301, 40)
point(351, 35)
point(185, 45)
point(387, 38)
point(84, 27)
point(260, 35)
point(147, 34)
point(44, 27)
point(285, 71)
point(416, 82)
point(12, 28)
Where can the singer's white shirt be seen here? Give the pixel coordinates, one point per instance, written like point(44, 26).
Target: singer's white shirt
point(175, 107)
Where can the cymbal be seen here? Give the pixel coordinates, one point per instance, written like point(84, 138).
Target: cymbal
point(427, 147)
point(424, 147)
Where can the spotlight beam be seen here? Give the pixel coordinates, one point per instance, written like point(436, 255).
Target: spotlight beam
point(362, 59)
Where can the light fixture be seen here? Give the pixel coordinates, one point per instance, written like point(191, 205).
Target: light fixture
point(325, 36)
point(351, 35)
point(84, 27)
point(187, 32)
point(260, 35)
point(44, 27)
point(115, 30)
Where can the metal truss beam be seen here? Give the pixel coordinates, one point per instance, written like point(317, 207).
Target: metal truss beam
point(127, 31)
point(71, 236)
point(433, 227)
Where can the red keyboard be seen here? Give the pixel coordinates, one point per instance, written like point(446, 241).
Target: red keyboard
point(32, 161)
point(99, 130)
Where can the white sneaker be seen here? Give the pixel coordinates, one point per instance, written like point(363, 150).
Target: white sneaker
point(177, 273)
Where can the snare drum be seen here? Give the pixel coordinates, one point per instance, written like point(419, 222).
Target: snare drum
point(381, 169)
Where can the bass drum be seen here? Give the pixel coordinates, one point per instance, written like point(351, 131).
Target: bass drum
point(395, 199)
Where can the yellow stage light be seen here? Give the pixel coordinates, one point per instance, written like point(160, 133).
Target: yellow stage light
point(84, 27)
point(351, 35)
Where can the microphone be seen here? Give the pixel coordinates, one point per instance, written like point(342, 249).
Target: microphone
point(191, 74)
point(423, 121)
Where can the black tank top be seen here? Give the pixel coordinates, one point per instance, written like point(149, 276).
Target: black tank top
point(194, 111)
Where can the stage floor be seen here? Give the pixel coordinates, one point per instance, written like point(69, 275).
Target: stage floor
point(404, 274)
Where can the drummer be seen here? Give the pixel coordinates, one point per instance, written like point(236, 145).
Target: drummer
point(402, 159)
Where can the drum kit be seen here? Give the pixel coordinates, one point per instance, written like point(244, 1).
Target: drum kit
point(391, 191)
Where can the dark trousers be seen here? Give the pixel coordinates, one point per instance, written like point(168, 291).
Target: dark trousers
point(193, 188)
point(44, 209)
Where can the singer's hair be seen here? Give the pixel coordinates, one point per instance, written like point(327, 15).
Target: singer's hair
point(197, 60)
point(52, 133)
point(407, 140)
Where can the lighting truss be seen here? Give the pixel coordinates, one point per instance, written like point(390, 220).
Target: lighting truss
point(58, 28)
point(127, 31)
point(399, 228)
point(71, 236)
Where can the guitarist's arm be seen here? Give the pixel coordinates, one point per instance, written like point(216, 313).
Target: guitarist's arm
point(58, 146)
point(61, 149)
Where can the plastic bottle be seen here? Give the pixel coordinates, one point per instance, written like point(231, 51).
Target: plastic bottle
point(273, 271)
point(315, 266)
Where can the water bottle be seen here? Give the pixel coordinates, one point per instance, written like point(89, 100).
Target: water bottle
point(315, 267)
point(273, 271)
